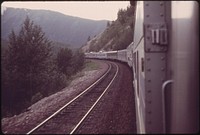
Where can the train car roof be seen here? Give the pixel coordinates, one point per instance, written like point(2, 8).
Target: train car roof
point(111, 52)
point(122, 50)
point(131, 44)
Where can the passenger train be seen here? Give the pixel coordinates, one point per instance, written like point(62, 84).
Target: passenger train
point(164, 57)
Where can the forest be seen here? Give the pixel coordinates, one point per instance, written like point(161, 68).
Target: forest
point(33, 68)
point(118, 34)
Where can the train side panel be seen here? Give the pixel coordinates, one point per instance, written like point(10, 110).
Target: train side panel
point(112, 55)
point(122, 55)
point(130, 55)
point(183, 115)
point(91, 55)
point(156, 26)
point(138, 53)
point(102, 55)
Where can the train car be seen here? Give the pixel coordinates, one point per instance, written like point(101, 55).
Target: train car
point(130, 55)
point(102, 55)
point(91, 55)
point(122, 55)
point(182, 100)
point(165, 61)
point(97, 55)
point(112, 55)
point(165, 65)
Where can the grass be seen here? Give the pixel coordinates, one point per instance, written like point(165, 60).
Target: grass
point(77, 75)
point(90, 65)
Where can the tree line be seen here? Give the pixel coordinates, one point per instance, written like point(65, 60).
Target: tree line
point(118, 34)
point(30, 71)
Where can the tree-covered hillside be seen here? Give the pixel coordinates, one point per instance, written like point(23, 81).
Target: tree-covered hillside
point(32, 69)
point(118, 34)
point(57, 26)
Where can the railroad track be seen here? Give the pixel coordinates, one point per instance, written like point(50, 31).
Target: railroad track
point(69, 117)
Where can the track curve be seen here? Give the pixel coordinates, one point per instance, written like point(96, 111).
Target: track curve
point(70, 116)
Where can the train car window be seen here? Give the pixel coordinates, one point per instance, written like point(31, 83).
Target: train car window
point(134, 63)
point(142, 64)
point(137, 71)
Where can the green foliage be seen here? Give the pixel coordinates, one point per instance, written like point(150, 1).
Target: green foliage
point(30, 71)
point(26, 62)
point(118, 34)
point(64, 62)
point(88, 38)
point(69, 63)
point(56, 46)
point(78, 60)
point(108, 24)
point(121, 16)
point(90, 65)
point(36, 97)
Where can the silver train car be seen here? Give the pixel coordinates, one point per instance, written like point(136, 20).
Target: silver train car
point(122, 55)
point(98, 55)
point(164, 58)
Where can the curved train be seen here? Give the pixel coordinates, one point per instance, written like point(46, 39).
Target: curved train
point(164, 57)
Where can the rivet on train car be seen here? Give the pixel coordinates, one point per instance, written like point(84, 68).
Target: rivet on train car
point(147, 15)
point(161, 15)
point(163, 80)
point(149, 91)
point(148, 26)
point(148, 59)
point(163, 69)
point(149, 80)
point(147, 4)
point(162, 58)
point(149, 102)
point(149, 49)
point(149, 69)
point(161, 3)
point(149, 112)
point(148, 37)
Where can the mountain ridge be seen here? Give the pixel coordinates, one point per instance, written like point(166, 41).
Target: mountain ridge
point(57, 26)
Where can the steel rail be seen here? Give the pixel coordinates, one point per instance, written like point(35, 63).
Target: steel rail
point(88, 88)
point(84, 117)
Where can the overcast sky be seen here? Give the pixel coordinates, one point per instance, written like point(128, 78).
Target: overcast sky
point(96, 10)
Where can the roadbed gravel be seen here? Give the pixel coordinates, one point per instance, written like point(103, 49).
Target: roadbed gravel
point(24, 122)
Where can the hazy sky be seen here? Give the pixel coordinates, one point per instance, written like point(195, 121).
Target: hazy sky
point(96, 10)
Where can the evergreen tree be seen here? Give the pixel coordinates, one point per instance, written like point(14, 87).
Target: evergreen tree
point(108, 24)
point(27, 62)
point(78, 60)
point(88, 38)
point(64, 61)
point(121, 16)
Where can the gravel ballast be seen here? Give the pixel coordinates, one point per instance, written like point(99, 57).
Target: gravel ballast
point(42, 109)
